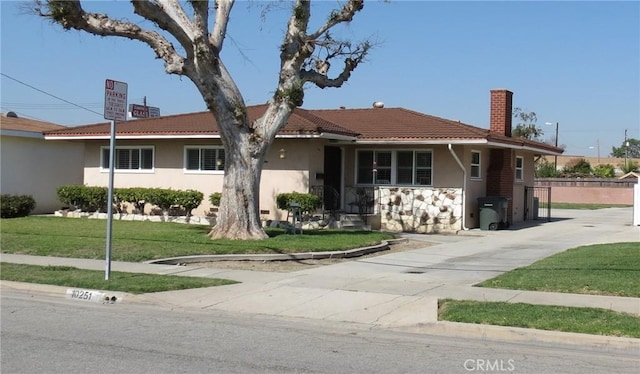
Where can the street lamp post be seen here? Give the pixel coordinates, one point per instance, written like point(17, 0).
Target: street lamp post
point(555, 158)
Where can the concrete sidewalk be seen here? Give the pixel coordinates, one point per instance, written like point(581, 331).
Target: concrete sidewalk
point(399, 290)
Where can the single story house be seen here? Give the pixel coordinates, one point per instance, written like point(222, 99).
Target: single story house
point(405, 170)
point(29, 165)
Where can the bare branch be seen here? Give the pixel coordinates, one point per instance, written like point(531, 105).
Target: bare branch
point(223, 9)
point(344, 15)
point(322, 81)
point(169, 16)
point(70, 15)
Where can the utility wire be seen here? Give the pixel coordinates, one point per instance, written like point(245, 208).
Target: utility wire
point(54, 96)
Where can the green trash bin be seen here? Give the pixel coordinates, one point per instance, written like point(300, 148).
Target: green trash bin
point(493, 212)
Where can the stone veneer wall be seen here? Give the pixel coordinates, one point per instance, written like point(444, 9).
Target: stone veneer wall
point(421, 210)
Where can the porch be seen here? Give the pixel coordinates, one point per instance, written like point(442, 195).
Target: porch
point(396, 209)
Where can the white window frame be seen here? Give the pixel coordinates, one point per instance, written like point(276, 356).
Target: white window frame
point(477, 165)
point(519, 169)
point(394, 166)
point(104, 166)
point(219, 169)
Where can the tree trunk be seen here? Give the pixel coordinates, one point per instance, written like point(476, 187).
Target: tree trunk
point(239, 215)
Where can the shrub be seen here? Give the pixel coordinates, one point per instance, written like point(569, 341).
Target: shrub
point(70, 195)
point(630, 166)
point(162, 198)
point(135, 195)
point(214, 198)
point(577, 167)
point(546, 169)
point(16, 205)
point(189, 200)
point(85, 198)
point(308, 202)
point(604, 171)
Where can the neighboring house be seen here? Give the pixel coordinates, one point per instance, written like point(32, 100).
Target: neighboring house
point(29, 165)
point(406, 170)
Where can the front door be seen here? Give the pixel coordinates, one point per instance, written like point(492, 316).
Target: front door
point(332, 177)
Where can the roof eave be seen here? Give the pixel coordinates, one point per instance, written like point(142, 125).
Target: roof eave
point(21, 133)
point(525, 147)
point(421, 142)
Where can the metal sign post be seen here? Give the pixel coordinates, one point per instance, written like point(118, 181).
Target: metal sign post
point(115, 109)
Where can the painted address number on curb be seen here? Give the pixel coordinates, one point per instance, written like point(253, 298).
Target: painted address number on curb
point(85, 295)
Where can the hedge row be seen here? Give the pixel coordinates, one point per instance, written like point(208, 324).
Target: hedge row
point(91, 199)
point(16, 205)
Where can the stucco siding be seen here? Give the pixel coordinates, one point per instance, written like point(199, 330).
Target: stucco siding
point(279, 174)
point(31, 166)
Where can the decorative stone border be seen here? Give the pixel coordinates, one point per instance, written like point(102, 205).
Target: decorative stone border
point(193, 220)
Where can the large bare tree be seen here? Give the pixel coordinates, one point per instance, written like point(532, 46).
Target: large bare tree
point(200, 29)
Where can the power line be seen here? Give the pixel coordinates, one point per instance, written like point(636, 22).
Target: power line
point(47, 106)
point(54, 96)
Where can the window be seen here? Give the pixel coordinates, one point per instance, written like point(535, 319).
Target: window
point(129, 158)
point(394, 167)
point(204, 159)
point(475, 165)
point(519, 168)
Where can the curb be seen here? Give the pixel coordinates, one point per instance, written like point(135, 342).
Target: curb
point(383, 246)
point(523, 335)
point(438, 328)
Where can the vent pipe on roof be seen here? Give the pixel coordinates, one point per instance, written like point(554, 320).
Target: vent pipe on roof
point(11, 115)
point(378, 104)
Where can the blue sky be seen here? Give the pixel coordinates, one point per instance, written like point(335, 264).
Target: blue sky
point(575, 63)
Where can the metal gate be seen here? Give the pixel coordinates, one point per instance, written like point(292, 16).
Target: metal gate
point(537, 203)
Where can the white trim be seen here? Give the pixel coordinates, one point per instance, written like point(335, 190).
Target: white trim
point(352, 140)
point(131, 137)
point(394, 166)
point(524, 148)
point(200, 148)
point(479, 164)
point(420, 142)
point(139, 147)
point(521, 179)
point(206, 136)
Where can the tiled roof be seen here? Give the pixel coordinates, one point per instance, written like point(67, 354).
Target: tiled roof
point(202, 123)
point(399, 124)
point(25, 124)
point(365, 125)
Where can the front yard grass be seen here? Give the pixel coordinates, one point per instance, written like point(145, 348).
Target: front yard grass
point(602, 269)
point(606, 269)
point(142, 241)
point(544, 317)
point(134, 283)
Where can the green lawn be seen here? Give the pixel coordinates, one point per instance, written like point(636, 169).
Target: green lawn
point(603, 269)
point(544, 317)
point(92, 279)
point(141, 241)
point(608, 269)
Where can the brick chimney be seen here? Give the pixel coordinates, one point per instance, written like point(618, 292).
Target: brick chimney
point(501, 113)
